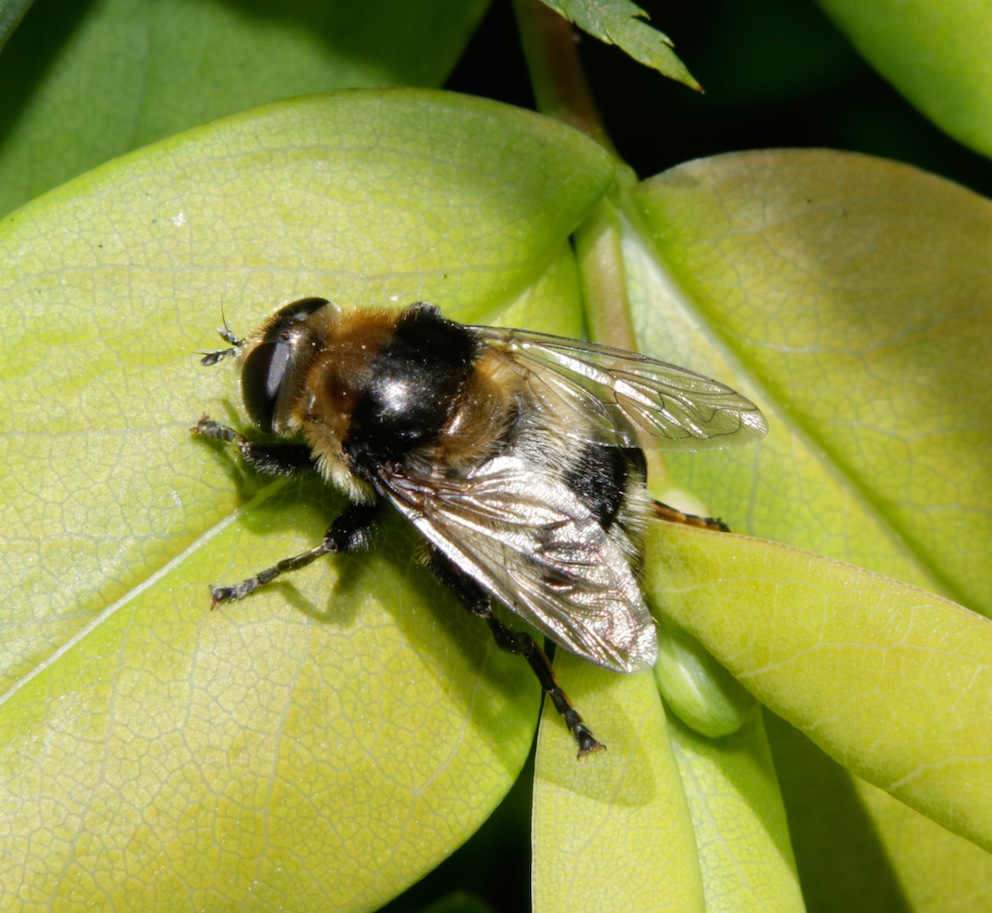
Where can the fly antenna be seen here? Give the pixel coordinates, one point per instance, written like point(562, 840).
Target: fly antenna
point(225, 333)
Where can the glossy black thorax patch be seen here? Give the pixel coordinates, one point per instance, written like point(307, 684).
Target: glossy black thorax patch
point(414, 384)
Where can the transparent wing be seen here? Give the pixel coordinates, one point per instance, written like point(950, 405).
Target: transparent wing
point(675, 408)
point(528, 540)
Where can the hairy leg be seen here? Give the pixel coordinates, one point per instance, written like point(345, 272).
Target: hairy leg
point(664, 512)
point(477, 601)
point(352, 530)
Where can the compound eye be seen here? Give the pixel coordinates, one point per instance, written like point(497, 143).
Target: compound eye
point(293, 312)
point(262, 375)
point(267, 365)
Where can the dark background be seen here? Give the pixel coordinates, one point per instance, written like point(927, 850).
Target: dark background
point(776, 74)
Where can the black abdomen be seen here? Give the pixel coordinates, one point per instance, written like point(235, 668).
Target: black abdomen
point(599, 476)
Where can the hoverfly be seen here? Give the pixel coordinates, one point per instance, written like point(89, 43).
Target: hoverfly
point(517, 456)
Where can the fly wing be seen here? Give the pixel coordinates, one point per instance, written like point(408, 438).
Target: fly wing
point(674, 408)
point(530, 542)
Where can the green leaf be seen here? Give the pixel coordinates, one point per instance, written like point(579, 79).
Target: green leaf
point(851, 297)
point(848, 295)
point(935, 54)
point(327, 742)
point(611, 831)
point(622, 22)
point(663, 812)
point(11, 13)
point(738, 820)
point(78, 89)
point(860, 850)
point(352, 715)
point(893, 682)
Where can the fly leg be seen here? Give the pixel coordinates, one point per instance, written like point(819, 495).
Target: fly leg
point(477, 601)
point(352, 530)
point(672, 515)
point(271, 459)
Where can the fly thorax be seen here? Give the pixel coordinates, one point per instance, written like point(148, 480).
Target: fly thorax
point(413, 386)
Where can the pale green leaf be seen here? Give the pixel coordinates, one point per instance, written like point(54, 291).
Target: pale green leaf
point(862, 851)
point(738, 820)
point(76, 90)
point(893, 682)
point(623, 23)
point(325, 743)
point(811, 281)
point(853, 298)
point(699, 828)
point(612, 831)
point(935, 54)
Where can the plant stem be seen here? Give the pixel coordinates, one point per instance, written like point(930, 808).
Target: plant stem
point(562, 92)
point(598, 248)
point(556, 75)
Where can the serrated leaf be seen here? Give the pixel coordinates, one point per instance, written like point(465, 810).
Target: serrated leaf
point(326, 743)
point(623, 23)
